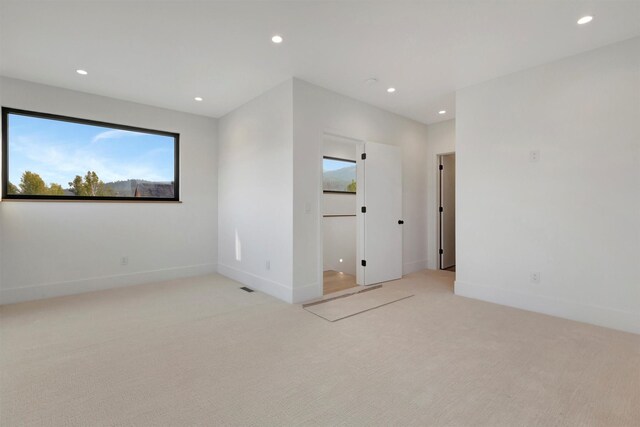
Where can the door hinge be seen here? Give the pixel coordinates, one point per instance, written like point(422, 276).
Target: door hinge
point(441, 251)
point(363, 263)
point(363, 209)
point(364, 156)
point(441, 167)
point(441, 209)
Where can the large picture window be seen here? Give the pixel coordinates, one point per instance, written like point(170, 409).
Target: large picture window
point(63, 158)
point(338, 175)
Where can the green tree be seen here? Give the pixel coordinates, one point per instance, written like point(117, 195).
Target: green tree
point(91, 185)
point(77, 186)
point(56, 189)
point(32, 184)
point(12, 189)
point(352, 187)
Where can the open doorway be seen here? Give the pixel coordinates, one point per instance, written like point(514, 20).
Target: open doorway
point(339, 221)
point(447, 211)
point(361, 224)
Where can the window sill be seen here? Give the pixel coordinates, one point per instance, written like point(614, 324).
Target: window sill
point(87, 201)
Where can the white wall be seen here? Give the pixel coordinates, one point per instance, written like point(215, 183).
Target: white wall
point(339, 243)
point(318, 111)
point(56, 248)
point(339, 233)
point(573, 216)
point(442, 140)
point(255, 192)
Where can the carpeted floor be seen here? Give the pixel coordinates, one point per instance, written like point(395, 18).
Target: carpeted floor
point(202, 352)
point(356, 302)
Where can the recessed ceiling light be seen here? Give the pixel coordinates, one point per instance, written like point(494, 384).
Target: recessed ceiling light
point(277, 39)
point(391, 89)
point(585, 20)
point(371, 81)
point(442, 112)
point(197, 98)
point(83, 72)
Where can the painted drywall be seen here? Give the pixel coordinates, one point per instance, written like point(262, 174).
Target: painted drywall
point(318, 112)
point(255, 193)
point(339, 204)
point(339, 243)
point(58, 248)
point(339, 233)
point(573, 216)
point(441, 140)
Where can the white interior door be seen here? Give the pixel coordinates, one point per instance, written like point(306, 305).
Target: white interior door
point(447, 211)
point(380, 227)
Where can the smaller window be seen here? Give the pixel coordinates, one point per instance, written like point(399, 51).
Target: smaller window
point(50, 157)
point(338, 175)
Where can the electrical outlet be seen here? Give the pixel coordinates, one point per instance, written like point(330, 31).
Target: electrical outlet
point(124, 260)
point(534, 155)
point(267, 265)
point(535, 277)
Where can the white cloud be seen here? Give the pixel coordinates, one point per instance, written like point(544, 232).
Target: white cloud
point(113, 134)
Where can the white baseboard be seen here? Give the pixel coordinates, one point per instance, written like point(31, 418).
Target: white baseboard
point(306, 293)
point(258, 283)
point(49, 290)
point(412, 267)
point(602, 316)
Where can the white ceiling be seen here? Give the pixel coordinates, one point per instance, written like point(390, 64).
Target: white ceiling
point(166, 53)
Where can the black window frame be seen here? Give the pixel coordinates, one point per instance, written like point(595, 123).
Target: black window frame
point(337, 191)
point(6, 111)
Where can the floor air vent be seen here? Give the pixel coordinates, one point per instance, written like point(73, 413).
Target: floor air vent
point(244, 288)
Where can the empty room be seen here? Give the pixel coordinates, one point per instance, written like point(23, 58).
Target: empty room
point(328, 213)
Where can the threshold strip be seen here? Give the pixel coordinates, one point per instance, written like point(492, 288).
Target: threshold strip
point(341, 296)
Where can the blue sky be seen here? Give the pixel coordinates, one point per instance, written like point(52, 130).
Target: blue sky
point(58, 151)
point(331, 165)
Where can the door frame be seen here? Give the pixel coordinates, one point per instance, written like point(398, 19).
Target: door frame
point(439, 157)
point(358, 147)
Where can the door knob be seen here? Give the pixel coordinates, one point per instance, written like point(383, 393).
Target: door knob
point(400, 222)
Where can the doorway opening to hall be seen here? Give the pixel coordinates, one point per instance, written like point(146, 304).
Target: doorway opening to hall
point(447, 211)
point(361, 224)
point(339, 221)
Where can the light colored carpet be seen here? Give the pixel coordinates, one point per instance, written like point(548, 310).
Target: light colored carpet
point(348, 305)
point(202, 352)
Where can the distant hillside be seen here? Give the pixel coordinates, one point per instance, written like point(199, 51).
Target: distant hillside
point(339, 179)
point(32, 184)
point(121, 188)
point(124, 188)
